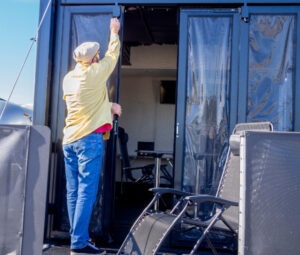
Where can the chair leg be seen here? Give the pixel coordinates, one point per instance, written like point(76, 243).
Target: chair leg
point(122, 172)
point(215, 219)
point(228, 225)
point(214, 251)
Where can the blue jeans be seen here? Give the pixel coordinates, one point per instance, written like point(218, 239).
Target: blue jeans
point(83, 161)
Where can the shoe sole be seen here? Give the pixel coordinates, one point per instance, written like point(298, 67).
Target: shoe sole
point(77, 253)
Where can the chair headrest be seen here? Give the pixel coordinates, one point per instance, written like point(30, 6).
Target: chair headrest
point(234, 142)
point(253, 126)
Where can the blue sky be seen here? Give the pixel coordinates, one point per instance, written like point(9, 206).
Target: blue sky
point(18, 23)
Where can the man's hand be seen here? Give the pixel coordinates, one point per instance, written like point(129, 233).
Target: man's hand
point(116, 109)
point(114, 25)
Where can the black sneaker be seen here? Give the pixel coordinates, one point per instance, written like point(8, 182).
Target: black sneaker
point(87, 250)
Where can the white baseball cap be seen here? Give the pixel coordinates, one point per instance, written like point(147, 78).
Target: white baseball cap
point(86, 51)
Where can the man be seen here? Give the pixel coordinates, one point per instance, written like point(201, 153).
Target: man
point(88, 122)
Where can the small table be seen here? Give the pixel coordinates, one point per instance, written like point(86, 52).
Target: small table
point(157, 155)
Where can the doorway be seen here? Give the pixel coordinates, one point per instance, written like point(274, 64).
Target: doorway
point(147, 96)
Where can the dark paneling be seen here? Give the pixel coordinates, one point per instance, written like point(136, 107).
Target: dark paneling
point(180, 2)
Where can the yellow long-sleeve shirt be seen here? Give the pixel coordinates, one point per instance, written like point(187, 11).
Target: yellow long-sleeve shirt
point(85, 92)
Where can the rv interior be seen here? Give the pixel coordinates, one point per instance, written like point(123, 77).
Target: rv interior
point(147, 97)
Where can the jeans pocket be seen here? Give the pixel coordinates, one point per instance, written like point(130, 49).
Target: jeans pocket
point(89, 149)
point(89, 153)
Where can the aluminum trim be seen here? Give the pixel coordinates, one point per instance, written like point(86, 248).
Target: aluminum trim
point(241, 234)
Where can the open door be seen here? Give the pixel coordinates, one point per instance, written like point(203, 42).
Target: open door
point(78, 24)
point(147, 95)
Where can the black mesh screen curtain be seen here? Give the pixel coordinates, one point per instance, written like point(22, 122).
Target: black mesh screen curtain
point(89, 27)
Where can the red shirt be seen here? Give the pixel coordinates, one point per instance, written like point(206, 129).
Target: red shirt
point(103, 129)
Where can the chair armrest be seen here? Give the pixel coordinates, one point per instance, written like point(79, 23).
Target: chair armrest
point(207, 198)
point(132, 168)
point(169, 191)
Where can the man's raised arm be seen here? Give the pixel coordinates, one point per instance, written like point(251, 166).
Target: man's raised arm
point(113, 51)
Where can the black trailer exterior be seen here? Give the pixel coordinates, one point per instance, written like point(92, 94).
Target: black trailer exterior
point(238, 82)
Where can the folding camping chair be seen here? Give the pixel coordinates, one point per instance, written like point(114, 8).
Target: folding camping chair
point(151, 228)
